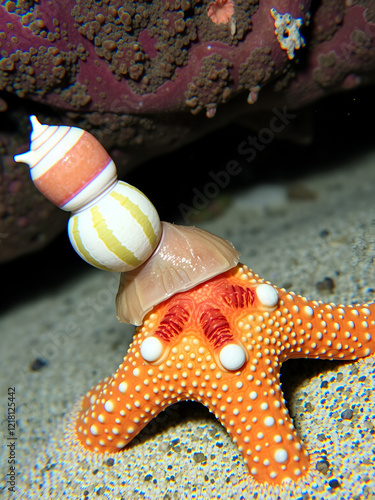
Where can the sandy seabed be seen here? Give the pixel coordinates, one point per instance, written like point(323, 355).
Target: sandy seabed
point(185, 453)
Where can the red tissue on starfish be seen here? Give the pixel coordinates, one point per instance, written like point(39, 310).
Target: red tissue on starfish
point(222, 344)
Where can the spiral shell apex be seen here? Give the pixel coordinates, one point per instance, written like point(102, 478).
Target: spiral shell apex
point(113, 225)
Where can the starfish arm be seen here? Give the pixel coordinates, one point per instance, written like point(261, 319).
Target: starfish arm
point(117, 409)
point(250, 405)
point(326, 331)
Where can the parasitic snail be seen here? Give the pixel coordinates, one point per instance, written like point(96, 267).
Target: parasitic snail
point(115, 227)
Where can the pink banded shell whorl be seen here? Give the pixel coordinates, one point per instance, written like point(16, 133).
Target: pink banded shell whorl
point(185, 257)
point(68, 165)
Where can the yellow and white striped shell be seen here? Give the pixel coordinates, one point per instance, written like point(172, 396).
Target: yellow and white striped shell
point(113, 225)
point(119, 232)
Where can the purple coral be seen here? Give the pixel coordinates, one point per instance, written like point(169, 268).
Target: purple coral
point(136, 57)
point(168, 56)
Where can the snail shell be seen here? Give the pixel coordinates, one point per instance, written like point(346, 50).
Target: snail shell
point(185, 257)
point(113, 225)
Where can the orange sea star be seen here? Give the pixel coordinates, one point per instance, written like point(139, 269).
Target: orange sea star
point(220, 11)
point(222, 343)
